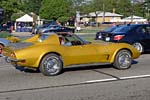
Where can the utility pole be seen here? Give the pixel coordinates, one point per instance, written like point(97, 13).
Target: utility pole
point(132, 11)
point(103, 12)
point(1, 15)
point(148, 15)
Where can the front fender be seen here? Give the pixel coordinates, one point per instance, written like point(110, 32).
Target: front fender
point(115, 53)
point(134, 52)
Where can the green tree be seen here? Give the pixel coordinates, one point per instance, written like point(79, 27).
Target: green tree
point(54, 9)
point(146, 10)
point(81, 5)
point(31, 6)
point(63, 20)
point(124, 7)
point(10, 7)
point(16, 15)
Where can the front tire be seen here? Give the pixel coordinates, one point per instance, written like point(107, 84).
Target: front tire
point(123, 60)
point(51, 65)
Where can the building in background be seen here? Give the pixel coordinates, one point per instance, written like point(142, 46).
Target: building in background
point(100, 17)
point(137, 1)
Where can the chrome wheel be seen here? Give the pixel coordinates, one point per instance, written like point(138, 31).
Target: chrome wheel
point(123, 60)
point(51, 65)
point(138, 46)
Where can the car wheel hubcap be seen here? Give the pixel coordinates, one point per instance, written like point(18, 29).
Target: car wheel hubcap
point(124, 60)
point(138, 46)
point(52, 65)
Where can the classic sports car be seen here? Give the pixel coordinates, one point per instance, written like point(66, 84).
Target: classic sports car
point(53, 52)
point(56, 29)
point(3, 42)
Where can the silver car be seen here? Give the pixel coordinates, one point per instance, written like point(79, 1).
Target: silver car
point(3, 42)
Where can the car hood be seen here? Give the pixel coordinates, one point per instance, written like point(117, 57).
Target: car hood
point(117, 33)
point(102, 43)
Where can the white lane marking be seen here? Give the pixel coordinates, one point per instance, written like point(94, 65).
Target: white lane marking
point(119, 78)
point(132, 77)
point(102, 80)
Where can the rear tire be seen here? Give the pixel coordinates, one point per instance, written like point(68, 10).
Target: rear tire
point(123, 60)
point(51, 65)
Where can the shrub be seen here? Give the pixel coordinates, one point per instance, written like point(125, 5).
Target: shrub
point(5, 34)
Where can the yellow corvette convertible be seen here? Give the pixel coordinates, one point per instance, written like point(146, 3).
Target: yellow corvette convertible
point(50, 53)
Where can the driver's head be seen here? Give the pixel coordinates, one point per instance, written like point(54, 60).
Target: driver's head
point(61, 39)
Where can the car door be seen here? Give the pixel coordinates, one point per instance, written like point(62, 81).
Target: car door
point(79, 52)
point(145, 35)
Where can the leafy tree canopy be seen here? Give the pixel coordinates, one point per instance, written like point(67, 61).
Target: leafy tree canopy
point(31, 6)
point(63, 9)
point(10, 7)
point(53, 9)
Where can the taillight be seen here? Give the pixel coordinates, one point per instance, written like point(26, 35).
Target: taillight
point(13, 55)
point(118, 37)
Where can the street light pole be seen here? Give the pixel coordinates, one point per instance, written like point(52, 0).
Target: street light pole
point(148, 14)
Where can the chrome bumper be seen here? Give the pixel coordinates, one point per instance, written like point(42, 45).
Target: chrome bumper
point(9, 60)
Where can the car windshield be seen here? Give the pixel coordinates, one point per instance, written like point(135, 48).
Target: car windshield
point(123, 29)
point(74, 39)
point(53, 27)
point(69, 37)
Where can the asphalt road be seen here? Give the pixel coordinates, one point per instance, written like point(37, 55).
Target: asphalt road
point(85, 83)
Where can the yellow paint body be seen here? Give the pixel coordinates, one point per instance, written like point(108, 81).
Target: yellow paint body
point(96, 52)
point(13, 39)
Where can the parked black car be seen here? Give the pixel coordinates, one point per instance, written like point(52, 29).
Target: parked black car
point(5, 28)
point(107, 30)
point(57, 28)
point(137, 35)
point(37, 28)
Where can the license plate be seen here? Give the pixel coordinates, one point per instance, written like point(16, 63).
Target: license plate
point(107, 39)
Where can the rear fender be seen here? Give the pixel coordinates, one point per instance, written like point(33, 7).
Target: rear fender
point(42, 56)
